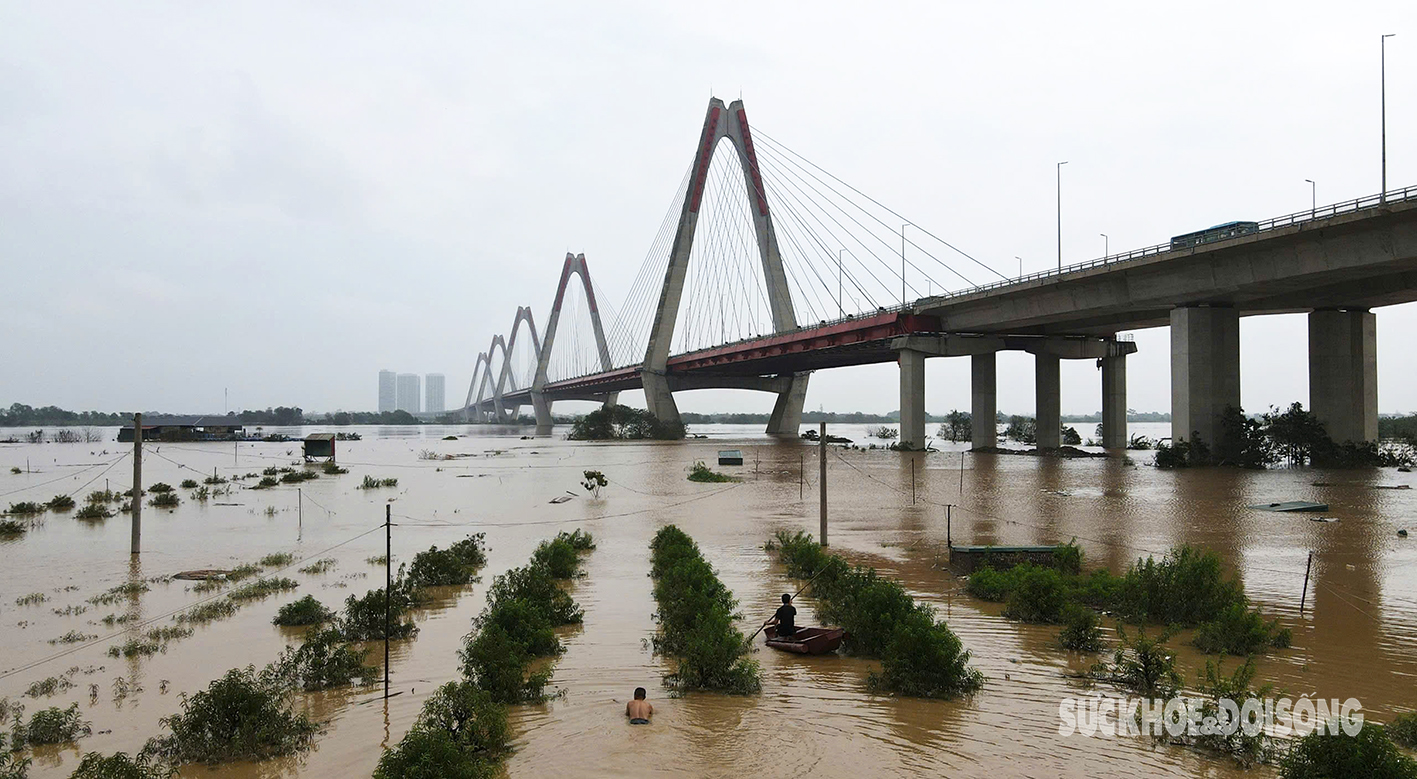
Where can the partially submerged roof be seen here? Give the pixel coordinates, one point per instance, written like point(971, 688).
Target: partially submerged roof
point(1291, 505)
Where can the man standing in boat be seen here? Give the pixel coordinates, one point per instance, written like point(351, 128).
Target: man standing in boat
point(785, 619)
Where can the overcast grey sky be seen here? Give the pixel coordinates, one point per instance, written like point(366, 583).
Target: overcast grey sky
point(283, 198)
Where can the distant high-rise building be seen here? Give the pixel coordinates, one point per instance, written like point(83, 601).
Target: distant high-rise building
point(408, 393)
point(433, 393)
point(388, 391)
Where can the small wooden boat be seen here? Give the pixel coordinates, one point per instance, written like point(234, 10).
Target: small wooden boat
point(806, 641)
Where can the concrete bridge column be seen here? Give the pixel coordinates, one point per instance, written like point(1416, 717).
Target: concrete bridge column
point(786, 419)
point(1205, 370)
point(542, 406)
point(1114, 402)
point(1343, 373)
point(1048, 423)
point(983, 404)
point(912, 398)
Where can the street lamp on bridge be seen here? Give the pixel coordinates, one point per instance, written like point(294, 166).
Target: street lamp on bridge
point(1060, 214)
point(1313, 197)
point(1105, 243)
point(1020, 265)
point(1382, 45)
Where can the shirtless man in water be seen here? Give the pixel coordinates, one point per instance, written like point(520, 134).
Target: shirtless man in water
point(639, 710)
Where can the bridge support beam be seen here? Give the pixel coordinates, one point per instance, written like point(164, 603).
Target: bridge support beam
point(1047, 401)
point(983, 402)
point(786, 419)
point(542, 407)
point(1343, 373)
point(1114, 402)
point(912, 398)
point(1205, 371)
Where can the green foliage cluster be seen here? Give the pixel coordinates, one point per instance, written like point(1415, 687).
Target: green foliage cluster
point(323, 661)
point(1371, 754)
point(165, 500)
point(244, 715)
point(262, 588)
point(920, 657)
point(371, 483)
point(561, 555)
point(93, 511)
point(60, 503)
point(331, 469)
point(524, 606)
point(277, 560)
point(1214, 686)
point(101, 496)
point(958, 426)
point(363, 617)
point(160, 488)
point(696, 615)
point(1142, 663)
point(1294, 435)
point(700, 472)
point(622, 423)
point(461, 733)
point(1403, 730)
point(120, 592)
point(25, 508)
point(296, 477)
point(120, 766)
point(10, 527)
point(211, 611)
point(306, 611)
point(1022, 429)
point(53, 726)
point(1186, 588)
point(266, 483)
point(189, 484)
point(455, 566)
point(321, 566)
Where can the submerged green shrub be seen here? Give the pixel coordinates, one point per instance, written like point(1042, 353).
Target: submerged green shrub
point(165, 500)
point(498, 663)
point(559, 557)
point(241, 716)
point(330, 469)
point(93, 511)
point(1038, 595)
point(1403, 730)
point(26, 509)
point(277, 560)
point(454, 566)
point(321, 566)
point(1370, 754)
point(363, 617)
point(461, 733)
point(925, 659)
point(9, 527)
point(1081, 629)
point(1142, 663)
point(1186, 587)
point(1239, 631)
point(702, 473)
point(371, 483)
point(60, 503)
point(306, 611)
point(325, 660)
point(696, 614)
point(120, 766)
point(189, 484)
point(56, 726)
point(262, 588)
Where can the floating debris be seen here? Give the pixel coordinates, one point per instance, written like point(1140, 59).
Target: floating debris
point(560, 498)
point(1323, 519)
point(1291, 505)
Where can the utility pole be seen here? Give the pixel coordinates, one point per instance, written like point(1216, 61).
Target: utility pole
point(822, 457)
point(1060, 214)
point(1382, 44)
point(388, 586)
point(137, 543)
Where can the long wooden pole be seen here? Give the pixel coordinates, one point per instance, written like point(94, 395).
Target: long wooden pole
point(912, 481)
point(800, 590)
point(388, 586)
point(1305, 594)
point(136, 546)
point(822, 452)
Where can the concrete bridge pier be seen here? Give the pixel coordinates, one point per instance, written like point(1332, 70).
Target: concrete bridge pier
point(786, 419)
point(542, 407)
point(1343, 373)
point(983, 400)
point(912, 398)
point(1114, 402)
point(1048, 425)
point(1205, 370)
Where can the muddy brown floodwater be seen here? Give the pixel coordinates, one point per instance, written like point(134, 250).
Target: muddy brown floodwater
point(1355, 638)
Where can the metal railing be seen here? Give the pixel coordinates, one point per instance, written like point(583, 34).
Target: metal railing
point(1288, 220)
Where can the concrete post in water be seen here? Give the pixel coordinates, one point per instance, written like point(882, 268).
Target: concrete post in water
point(136, 545)
point(822, 457)
point(1205, 371)
point(912, 398)
point(1303, 596)
point(1114, 402)
point(1048, 424)
point(388, 587)
point(1343, 373)
point(983, 404)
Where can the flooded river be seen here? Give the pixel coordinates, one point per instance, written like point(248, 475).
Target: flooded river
point(1354, 639)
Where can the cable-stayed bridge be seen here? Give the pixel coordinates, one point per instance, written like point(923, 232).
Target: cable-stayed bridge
point(767, 268)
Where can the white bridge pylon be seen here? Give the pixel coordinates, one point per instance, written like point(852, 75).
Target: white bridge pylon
point(721, 122)
point(486, 396)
